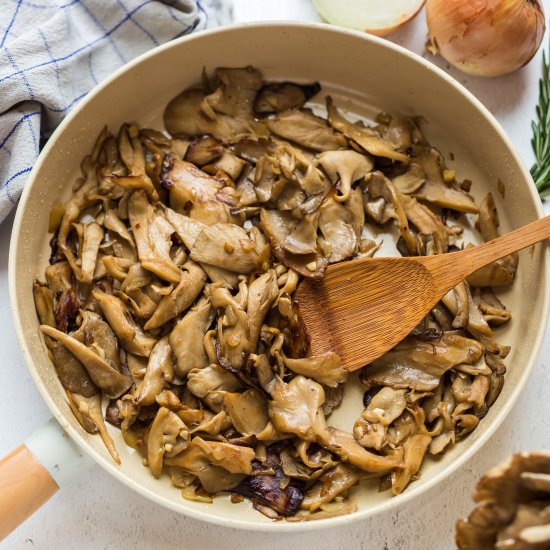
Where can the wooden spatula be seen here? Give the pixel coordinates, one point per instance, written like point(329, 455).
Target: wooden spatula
point(362, 308)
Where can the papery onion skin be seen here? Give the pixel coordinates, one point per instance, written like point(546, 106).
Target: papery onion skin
point(486, 37)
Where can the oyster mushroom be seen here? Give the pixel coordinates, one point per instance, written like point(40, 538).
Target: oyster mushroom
point(344, 168)
point(201, 453)
point(233, 334)
point(325, 369)
point(503, 271)
point(248, 411)
point(204, 150)
point(43, 301)
point(413, 450)
point(72, 374)
point(344, 445)
point(189, 287)
point(306, 129)
point(436, 191)
point(159, 373)
point(187, 339)
point(419, 365)
point(153, 238)
point(227, 246)
point(89, 408)
point(261, 295)
point(105, 377)
point(197, 194)
point(165, 429)
point(83, 269)
point(280, 96)
point(268, 490)
point(332, 483)
point(386, 406)
point(411, 180)
point(367, 138)
point(213, 378)
point(130, 335)
point(339, 234)
point(278, 226)
point(236, 92)
point(295, 407)
point(184, 116)
point(97, 335)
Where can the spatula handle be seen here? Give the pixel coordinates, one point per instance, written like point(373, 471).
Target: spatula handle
point(455, 267)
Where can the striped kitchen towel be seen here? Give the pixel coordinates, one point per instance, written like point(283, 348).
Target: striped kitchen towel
point(52, 52)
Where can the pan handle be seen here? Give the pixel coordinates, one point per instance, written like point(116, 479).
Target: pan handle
point(34, 471)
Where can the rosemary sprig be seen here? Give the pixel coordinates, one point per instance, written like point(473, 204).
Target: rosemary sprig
point(541, 133)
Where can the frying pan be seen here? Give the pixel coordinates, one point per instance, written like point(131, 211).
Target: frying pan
point(365, 75)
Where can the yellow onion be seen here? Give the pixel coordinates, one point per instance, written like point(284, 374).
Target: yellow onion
point(486, 37)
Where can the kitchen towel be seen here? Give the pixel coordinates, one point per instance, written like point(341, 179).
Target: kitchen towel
point(53, 52)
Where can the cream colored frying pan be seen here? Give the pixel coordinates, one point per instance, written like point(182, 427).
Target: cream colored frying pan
point(365, 75)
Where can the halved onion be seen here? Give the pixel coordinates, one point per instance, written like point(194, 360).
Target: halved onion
point(379, 17)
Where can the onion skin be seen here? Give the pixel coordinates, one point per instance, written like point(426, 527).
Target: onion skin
point(404, 21)
point(486, 37)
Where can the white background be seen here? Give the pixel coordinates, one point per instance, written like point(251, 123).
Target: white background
point(99, 512)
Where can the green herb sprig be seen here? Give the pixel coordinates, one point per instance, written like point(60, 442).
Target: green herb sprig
point(541, 133)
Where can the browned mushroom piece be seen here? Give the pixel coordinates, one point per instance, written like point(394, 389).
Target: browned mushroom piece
point(344, 445)
point(88, 412)
point(104, 376)
point(152, 233)
point(130, 335)
point(236, 92)
point(227, 246)
point(158, 375)
point(232, 458)
point(326, 369)
point(247, 410)
point(337, 224)
point(187, 339)
point(261, 295)
point(165, 429)
point(367, 138)
point(344, 168)
point(503, 271)
point(419, 365)
point(180, 298)
point(280, 96)
point(278, 226)
point(184, 116)
point(197, 194)
point(306, 129)
point(386, 406)
point(512, 506)
point(233, 331)
point(332, 483)
point(436, 190)
point(204, 150)
point(296, 407)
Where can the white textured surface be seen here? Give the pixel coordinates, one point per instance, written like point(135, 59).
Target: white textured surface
point(99, 512)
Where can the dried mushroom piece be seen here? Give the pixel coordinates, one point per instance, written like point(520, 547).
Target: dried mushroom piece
point(170, 297)
point(513, 506)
